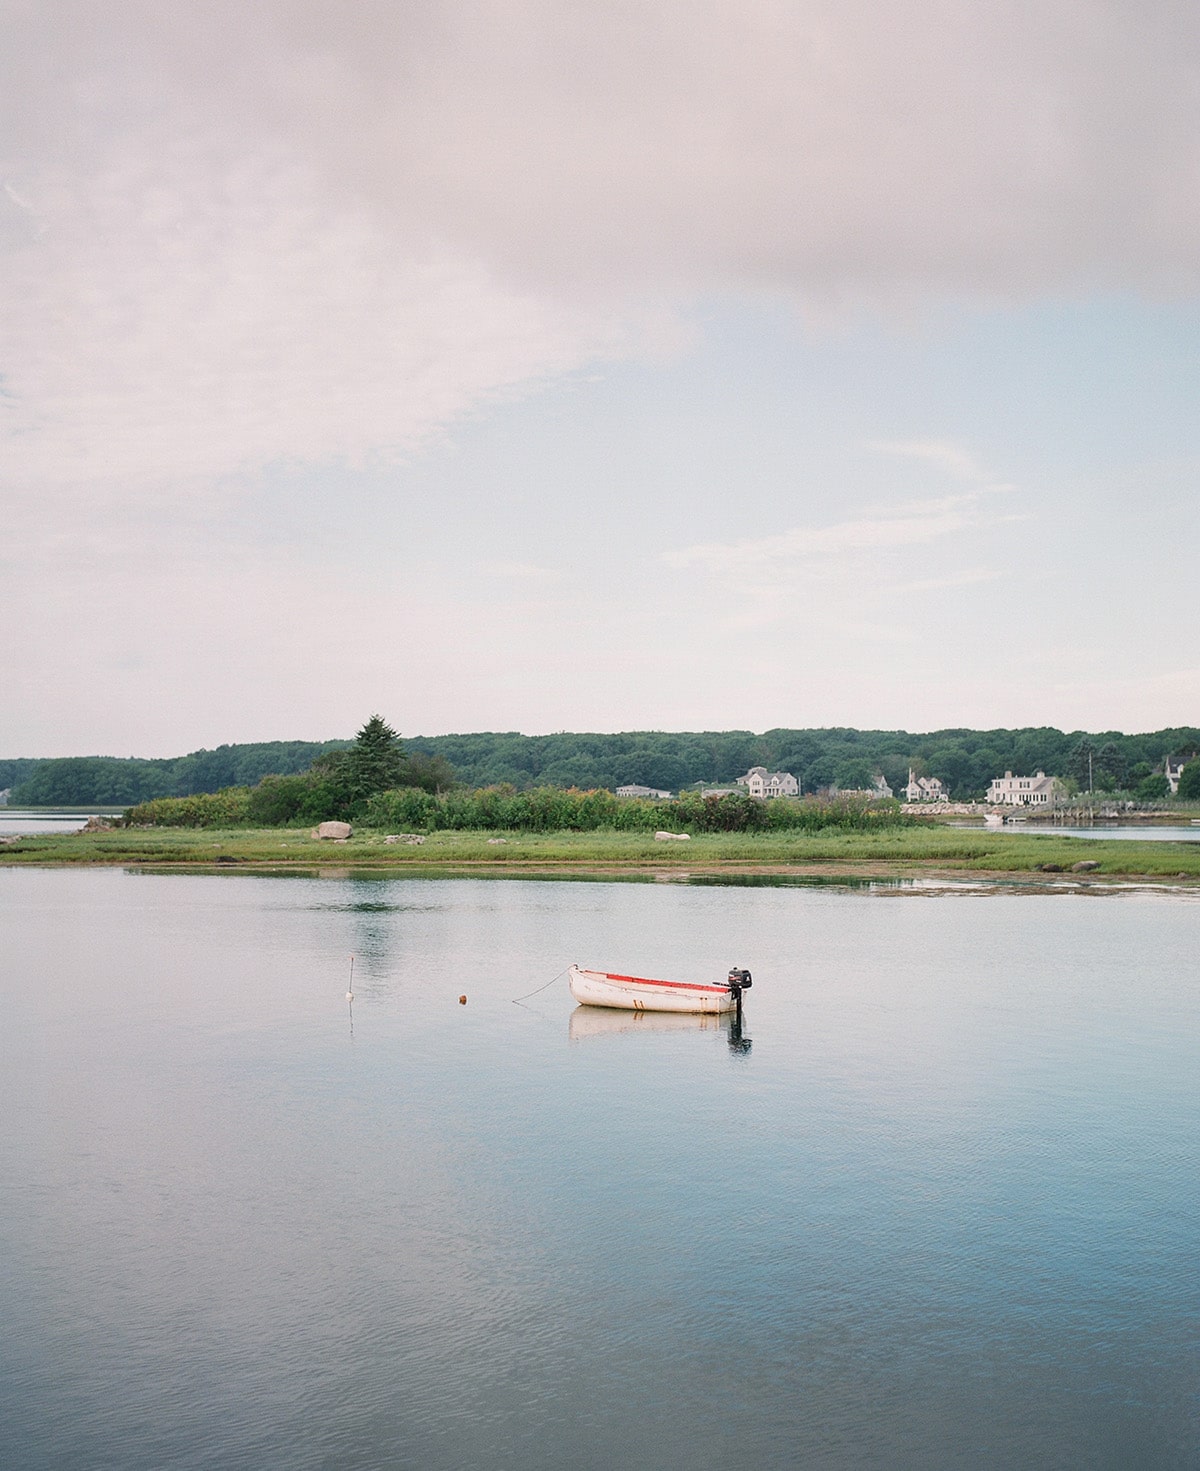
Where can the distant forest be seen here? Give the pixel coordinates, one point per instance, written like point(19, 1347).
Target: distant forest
point(965, 760)
point(122, 781)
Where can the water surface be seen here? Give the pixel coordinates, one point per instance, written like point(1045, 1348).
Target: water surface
point(19, 821)
point(1127, 833)
point(942, 1210)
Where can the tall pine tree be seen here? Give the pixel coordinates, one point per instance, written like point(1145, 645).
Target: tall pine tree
point(375, 763)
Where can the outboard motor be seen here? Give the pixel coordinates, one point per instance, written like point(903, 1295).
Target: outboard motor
point(739, 981)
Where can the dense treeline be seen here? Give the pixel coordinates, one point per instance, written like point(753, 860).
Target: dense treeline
point(13, 773)
point(376, 782)
point(540, 809)
point(965, 760)
point(379, 784)
point(339, 784)
point(123, 781)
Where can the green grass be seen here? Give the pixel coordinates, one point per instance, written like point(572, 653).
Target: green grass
point(893, 850)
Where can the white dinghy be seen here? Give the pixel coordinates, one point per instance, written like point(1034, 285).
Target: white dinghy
point(640, 993)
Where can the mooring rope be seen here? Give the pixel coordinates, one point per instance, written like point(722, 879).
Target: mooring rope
point(516, 1000)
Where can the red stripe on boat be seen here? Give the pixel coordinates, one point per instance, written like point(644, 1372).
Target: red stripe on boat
point(674, 985)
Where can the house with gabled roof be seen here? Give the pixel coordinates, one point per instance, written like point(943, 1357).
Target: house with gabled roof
point(876, 793)
point(1023, 791)
point(925, 789)
point(759, 782)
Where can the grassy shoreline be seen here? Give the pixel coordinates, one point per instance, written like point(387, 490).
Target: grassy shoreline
point(930, 851)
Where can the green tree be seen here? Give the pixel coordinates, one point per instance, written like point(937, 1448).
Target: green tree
point(1081, 764)
point(430, 773)
point(895, 769)
point(817, 774)
point(1111, 767)
point(375, 762)
point(1189, 781)
point(854, 776)
point(1152, 788)
point(277, 800)
point(955, 768)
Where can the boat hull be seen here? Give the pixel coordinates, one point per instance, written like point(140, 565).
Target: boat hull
point(640, 993)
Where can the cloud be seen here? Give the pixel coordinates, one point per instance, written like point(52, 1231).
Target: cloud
point(302, 229)
point(951, 458)
point(915, 524)
point(856, 576)
point(155, 335)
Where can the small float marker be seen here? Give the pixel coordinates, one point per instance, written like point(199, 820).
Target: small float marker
point(350, 992)
point(462, 1000)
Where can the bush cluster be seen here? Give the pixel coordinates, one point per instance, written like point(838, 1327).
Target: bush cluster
point(227, 808)
point(278, 801)
point(550, 809)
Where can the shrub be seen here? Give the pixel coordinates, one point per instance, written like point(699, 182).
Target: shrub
point(734, 812)
point(408, 809)
point(227, 808)
point(277, 800)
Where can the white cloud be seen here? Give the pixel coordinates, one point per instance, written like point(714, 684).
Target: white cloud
point(855, 578)
point(306, 231)
point(154, 336)
point(303, 229)
point(951, 458)
point(915, 524)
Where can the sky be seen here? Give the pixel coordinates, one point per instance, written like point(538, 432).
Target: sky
point(536, 365)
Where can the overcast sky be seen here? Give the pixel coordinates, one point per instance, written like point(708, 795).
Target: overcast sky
point(542, 365)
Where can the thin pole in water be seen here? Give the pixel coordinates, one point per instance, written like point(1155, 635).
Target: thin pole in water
point(350, 992)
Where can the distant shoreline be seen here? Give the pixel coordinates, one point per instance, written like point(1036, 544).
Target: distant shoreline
point(936, 853)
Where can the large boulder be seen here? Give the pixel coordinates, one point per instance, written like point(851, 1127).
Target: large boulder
point(672, 837)
point(338, 831)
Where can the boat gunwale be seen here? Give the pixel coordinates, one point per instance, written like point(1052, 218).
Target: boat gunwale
point(605, 975)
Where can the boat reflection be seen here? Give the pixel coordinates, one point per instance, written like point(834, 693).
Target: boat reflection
point(587, 1022)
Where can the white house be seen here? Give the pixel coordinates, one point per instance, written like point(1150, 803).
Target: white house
point(925, 789)
point(634, 791)
point(760, 782)
point(872, 793)
point(1173, 770)
point(1023, 791)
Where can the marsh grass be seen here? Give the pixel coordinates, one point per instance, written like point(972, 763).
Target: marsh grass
point(892, 850)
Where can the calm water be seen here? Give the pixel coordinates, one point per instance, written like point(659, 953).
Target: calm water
point(944, 1212)
point(1130, 832)
point(14, 820)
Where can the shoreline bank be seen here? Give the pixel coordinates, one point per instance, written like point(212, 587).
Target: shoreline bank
point(933, 854)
